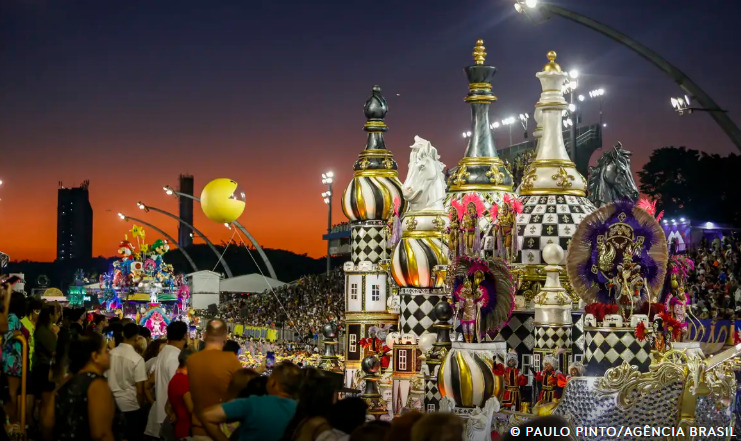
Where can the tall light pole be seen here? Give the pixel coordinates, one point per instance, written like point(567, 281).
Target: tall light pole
point(524, 118)
point(533, 8)
point(599, 93)
point(568, 88)
point(170, 238)
point(227, 270)
point(508, 122)
point(327, 179)
point(170, 191)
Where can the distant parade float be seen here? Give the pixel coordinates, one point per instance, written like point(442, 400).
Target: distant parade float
point(500, 304)
point(142, 286)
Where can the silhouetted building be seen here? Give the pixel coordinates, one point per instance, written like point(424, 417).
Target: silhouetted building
point(185, 233)
point(74, 223)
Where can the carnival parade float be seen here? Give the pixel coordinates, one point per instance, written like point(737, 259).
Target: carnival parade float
point(501, 305)
point(142, 286)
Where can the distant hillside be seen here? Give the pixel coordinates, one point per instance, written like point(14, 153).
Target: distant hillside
point(288, 266)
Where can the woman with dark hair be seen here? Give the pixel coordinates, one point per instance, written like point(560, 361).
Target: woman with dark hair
point(85, 409)
point(315, 399)
point(12, 353)
point(46, 347)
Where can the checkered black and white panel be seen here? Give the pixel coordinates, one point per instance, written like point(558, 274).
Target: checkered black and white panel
point(577, 333)
point(605, 349)
point(587, 408)
point(553, 337)
point(416, 310)
point(368, 242)
point(545, 220)
point(519, 332)
point(432, 396)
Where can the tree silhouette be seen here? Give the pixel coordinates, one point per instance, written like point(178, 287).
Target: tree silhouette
point(694, 184)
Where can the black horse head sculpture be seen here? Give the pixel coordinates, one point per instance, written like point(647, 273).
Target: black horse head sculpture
point(612, 178)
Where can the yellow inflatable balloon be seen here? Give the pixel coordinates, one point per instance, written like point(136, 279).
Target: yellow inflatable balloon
point(219, 201)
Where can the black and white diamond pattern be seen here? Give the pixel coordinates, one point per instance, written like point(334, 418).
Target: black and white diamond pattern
point(519, 332)
point(586, 408)
point(432, 395)
point(577, 333)
point(553, 337)
point(545, 220)
point(610, 348)
point(416, 312)
point(368, 242)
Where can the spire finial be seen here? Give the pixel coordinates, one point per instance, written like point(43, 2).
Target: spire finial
point(479, 52)
point(552, 66)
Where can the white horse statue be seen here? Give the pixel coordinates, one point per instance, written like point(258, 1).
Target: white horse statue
point(424, 187)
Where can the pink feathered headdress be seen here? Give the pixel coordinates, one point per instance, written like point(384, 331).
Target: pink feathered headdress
point(650, 207)
point(459, 210)
point(514, 203)
point(493, 211)
point(647, 205)
point(473, 198)
point(397, 204)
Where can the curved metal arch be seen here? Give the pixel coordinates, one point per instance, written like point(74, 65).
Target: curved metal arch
point(208, 242)
point(259, 249)
point(693, 89)
point(185, 253)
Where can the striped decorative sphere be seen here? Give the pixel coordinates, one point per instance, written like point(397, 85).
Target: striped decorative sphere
point(414, 259)
point(466, 376)
point(421, 249)
point(372, 198)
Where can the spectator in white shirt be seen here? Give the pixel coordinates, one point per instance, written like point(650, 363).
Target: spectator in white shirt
point(164, 369)
point(126, 379)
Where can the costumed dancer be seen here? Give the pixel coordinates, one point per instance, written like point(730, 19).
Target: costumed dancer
point(474, 209)
point(658, 344)
point(513, 380)
point(470, 301)
point(454, 213)
point(506, 226)
point(576, 369)
point(677, 300)
point(548, 380)
point(393, 226)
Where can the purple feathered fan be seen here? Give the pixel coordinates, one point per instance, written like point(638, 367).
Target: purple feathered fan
point(617, 236)
point(497, 308)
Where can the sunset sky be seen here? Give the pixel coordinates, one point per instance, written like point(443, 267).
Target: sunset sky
point(270, 93)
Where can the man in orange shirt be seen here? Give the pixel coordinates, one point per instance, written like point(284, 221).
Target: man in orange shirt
point(209, 374)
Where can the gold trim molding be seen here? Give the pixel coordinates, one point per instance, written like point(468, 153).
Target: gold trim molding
point(428, 234)
point(626, 380)
point(553, 191)
point(481, 187)
point(565, 163)
point(374, 173)
point(480, 99)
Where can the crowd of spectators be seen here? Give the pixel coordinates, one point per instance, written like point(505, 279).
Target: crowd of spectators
point(519, 165)
point(126, 386)
point(305, 306)
point(714, 284)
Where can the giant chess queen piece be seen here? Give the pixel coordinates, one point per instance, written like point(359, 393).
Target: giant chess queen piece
point(480, 173)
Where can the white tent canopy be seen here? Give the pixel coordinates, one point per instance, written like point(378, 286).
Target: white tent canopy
point(249, 283)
